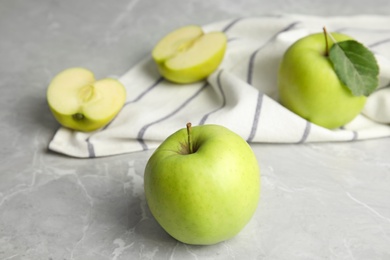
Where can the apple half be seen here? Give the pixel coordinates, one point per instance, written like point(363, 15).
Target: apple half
point(80, 102)
point(188, 54)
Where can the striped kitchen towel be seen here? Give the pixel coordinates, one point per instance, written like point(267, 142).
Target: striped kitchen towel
point(241, 95)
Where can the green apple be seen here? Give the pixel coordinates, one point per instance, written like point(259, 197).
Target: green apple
point(309, 86)
point(202, 184)
point(188, 54)
point(80, 102)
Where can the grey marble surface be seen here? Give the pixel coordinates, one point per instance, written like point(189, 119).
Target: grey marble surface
point(318, 201)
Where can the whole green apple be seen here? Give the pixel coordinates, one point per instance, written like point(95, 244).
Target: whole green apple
point(309, 86)
point(202, 185)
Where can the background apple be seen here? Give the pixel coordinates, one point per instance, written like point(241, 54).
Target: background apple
point(205, 196)
point(188, 54)
point(309, 86)
point(80, 102)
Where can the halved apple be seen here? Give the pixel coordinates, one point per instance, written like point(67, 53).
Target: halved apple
point(80, 102)
point(188, 54)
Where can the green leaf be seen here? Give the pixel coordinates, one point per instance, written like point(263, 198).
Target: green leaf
point(355, 66)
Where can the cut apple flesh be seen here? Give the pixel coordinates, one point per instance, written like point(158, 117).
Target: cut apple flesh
point(63, 92)
point(188, 54)
point(80, 102)
point(200, 51)
point(108, 98)
point(175, 42)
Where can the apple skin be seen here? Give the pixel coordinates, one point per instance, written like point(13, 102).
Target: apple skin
point(207, 196)
point(309, 86)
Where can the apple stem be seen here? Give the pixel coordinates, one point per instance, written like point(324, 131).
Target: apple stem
point(326, 42)
point(326, 33)
point(189, 134)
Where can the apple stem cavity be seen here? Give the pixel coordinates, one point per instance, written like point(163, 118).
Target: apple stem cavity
point(189, 135)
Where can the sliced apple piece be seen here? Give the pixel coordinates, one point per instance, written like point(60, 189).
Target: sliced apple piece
point(188, 54)
point(80, 102)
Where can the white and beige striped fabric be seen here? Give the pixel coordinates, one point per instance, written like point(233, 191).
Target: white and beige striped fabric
point(241, 95)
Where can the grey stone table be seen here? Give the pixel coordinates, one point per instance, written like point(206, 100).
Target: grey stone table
point(318, 201)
